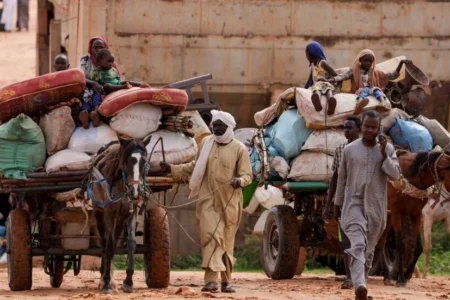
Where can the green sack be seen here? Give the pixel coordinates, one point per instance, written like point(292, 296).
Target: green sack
point(22, 147)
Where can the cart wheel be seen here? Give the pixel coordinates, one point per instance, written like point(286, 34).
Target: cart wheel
point(157, 240)
point(19, 250)
point(281, 243)
point(58, 272)
point(301, 263)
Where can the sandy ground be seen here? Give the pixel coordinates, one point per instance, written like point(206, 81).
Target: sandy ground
point(18, 52)
point(248, 286)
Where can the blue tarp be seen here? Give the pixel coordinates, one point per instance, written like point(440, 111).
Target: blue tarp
point(411, 135)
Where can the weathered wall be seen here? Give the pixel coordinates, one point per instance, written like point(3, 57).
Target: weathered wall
point(250, 46)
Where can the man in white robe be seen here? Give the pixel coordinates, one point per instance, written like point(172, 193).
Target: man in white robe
point(362, 195)
point(220, 172)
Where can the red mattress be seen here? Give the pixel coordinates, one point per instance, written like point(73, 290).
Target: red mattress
point(32, 96)
point(172, 101)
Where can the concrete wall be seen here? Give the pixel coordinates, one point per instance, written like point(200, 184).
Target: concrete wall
point(253, 45)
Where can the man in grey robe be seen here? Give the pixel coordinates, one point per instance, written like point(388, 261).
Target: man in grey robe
point(362, 196)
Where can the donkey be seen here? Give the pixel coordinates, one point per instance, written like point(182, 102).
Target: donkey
point(437, 209)
point(422, 170)
point(118, 174)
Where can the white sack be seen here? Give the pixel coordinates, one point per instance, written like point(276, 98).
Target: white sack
point(178, 148)
point(325, 141)
point(57, 127)
point(67, 160)
point(280, 166)
point(92, 139)
point(388, 121)
point(270, 197)
point(137, 121)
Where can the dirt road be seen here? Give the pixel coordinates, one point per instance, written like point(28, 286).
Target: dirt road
point(18, 52)
point(248, 285)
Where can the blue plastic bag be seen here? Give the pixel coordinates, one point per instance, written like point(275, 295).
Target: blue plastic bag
point(289, 134)
point(411, 135)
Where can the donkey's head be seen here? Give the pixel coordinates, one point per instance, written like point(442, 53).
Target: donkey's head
point(134, 164)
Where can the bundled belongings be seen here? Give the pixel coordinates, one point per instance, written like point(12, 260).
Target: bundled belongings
point(171, 147)
point(92, 139)
point(178, 124)
point(199, 127)
point(32, 96)
point(57, 126)
point(171, 101)
point(137, 120)
point(344, 108)
point(389, 120)
point(67, 160)
point(411, 136)
point(311, 166)
point(22, 147)
point(440, 135)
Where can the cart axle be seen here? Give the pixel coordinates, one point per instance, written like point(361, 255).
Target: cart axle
point(140, 249)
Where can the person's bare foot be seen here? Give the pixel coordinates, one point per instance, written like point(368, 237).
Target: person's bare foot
point(84, 119)
point(315, 99)
point(331, 106)
point(95, 118)
point(360, 106)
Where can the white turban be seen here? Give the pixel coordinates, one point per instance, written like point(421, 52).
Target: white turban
point(225, 117)
point(202, 161)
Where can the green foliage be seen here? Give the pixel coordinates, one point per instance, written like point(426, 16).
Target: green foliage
point(440, 255)
point(190, 262)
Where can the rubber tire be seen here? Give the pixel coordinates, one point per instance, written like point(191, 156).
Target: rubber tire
point(157, 239)
point(389, 248)
point(301, 263)
point(20, 266)
point(57, 279)
point(284, 265)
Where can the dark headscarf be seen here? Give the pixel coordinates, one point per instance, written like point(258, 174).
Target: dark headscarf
point(315, 50)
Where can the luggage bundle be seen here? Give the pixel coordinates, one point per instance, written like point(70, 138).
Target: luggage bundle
point(38, 128)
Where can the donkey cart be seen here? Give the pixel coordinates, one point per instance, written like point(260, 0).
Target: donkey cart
point(40, 224)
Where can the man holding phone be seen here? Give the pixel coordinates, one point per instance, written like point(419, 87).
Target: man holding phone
point(361, 195)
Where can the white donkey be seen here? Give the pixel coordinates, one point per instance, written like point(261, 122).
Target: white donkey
point(437, 209)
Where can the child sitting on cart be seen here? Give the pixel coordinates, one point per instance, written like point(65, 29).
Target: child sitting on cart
point(320, 69)
point(366, 80)
point(109, 79)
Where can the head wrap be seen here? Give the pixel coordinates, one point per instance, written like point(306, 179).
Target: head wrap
point(314, 49)
point(200, 166)
point(356, 68)
point(228, 119)
point(92, 56)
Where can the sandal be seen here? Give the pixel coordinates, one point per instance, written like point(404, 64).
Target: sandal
point(211, 287)
point(226, 288)
point(361, 293)
point(347, 284)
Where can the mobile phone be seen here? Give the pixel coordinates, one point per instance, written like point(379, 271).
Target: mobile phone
point(380, 131)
